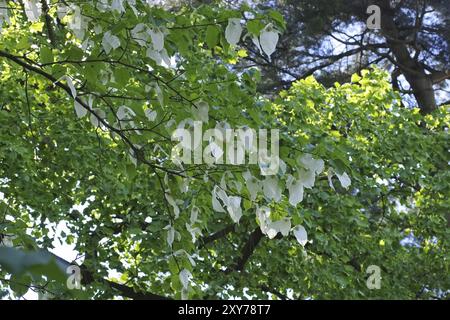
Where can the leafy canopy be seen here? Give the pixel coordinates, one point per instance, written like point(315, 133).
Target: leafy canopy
point(90, 95)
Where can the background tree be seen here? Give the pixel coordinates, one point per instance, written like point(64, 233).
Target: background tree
point(332, 41)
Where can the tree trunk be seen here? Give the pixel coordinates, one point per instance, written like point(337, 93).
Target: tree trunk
point(420, 82)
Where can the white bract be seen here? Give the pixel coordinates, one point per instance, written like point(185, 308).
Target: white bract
point(143, 35)
point(132, 4)
point(77, 22)
point(3, 14)
point(295, 188)
point(263, 216)
point(157, 37)
point(69, 81)
point(308, 162)
point(307, 178)
point(80, 110)
point(283, 226)
point(62, 11)
point(174, 205)
point(33, 9)
point(110, 42)
point(125, 113)
point(226, 178)
point(217, 194)
point(344, 179)
point(234, 208)
point(140, 35)
point(255, 41)
point(167, 62)
point(7, 241)
point(330, 176)
point(182, 252)
point(269, 227)
point(271, 189)
point(233, 31)
point(117, 5)
point(253, 185)
point(159, 94)
point(151, 114)
point(301, 235)
point(185, 277)
point(268, 39)
point(160, 57)
point(231, 203)
point(194, 231)
point(268, 165)
point(194, 214)
point(170, 235)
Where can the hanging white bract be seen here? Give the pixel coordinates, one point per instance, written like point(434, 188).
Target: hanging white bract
point(233, 31)
point(33, 9)
point(110, 42)
point(268, 39)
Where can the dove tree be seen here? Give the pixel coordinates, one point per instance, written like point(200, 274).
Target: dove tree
point(92, 93)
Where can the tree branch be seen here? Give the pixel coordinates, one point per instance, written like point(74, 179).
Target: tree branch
point(48, 23)
point(248, 249)
point(276, 293)
point(440, 76)
point(129, 292)
point(217, 235)
point(413, 71)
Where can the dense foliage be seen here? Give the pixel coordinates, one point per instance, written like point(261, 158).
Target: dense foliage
point(90, 94)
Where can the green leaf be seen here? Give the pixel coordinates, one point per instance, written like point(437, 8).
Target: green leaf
point(255, 26)
point(355, 78)
point(278, 18)
point(121, 75)
point(20, 284)
point(212, 36)
point(18, 262)
point(46, 55)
